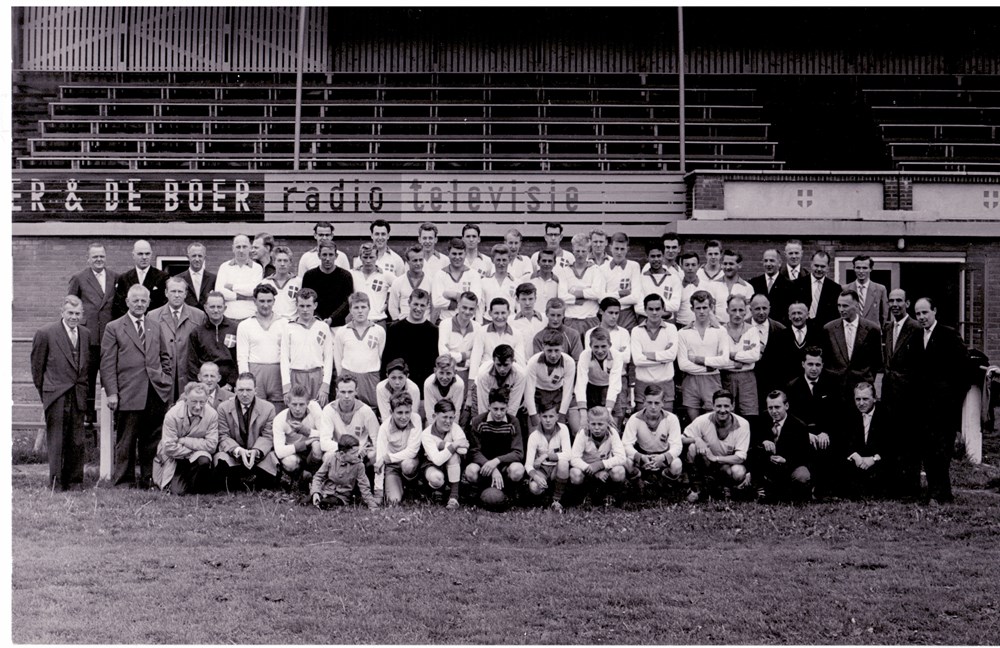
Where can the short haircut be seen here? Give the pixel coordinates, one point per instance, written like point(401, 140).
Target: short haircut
point(358, 298)
point(264, 288)
point(619, 237)
point(140, 290)
point(864, 385)
point(366, 248)
point(282, 249)
point(853, 294)
point(379, 222)
point(216, 293)
point(444, 406)
point(777, 393)
point(736, 297)
point(402, 399)
point(72, 300)
point(814, 351)
point(195, 386)
point(553, 225)
point(347, 442)
point(266, 239)
point(579, 239)
point(97, 244)
point(713, 243)
point(499, 248)
point(552, 337)
point(444, 361)
point(298, 391)
point(326, 245)
point(599, 334)
point(723, 393)
point(651, 246)
point(598, 413)
point(418, 293)
point(555, 302)
point(526, 288)
point(514, 232)
point(684, 256)
point(670, 236)
point(209, 364)
point(397, 365)
point(472, 226)
point(701, 296)
point(246, 375)
point(929, 300)
point(307, 293)
point(324, 225)
point(652, 390)
point(503, 352)
point(608, 302)
point(346, 378)
point(177, 280)
point(427, 226)
point(733, 253)
point(471, 296)
point(652, 297)
point(821, 253)
point(499, 301)
point(499, 395)
point(546, 252)
point(455, 243)
point(862, 258)
point(196, 244)
point(414, 249)
point(793, 242)
point(597, 232)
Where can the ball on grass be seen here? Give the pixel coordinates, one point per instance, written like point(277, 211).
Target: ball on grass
point(493, 499)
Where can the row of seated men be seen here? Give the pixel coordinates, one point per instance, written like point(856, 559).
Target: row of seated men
point(718, 347)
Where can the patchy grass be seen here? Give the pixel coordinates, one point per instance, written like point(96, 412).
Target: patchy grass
point(113, 566)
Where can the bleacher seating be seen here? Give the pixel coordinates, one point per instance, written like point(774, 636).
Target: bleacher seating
point(943, 123)
point(390, 122)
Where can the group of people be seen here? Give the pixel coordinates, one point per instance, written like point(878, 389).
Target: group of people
point(495, 375)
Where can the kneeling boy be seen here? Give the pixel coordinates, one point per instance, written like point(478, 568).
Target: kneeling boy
point(598, 457)
point(547, 458)
point(495, 447)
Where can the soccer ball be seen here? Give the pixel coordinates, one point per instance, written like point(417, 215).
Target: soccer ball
point(493, 499)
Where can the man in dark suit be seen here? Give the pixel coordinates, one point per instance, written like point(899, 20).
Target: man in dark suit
point(792, 269)
point(246, 439)
point(199, 281)
point(873, 303)
point(818, 291)
point(801, 335)
point(868, 445)
point(95, 287)
point(777, 287)
point(135, 373)
point(59, 359)
point(902, 338)
point(153, 279)
point(772, 370)
point(781, 467)
point(176, 321)
point(852, 346)
point(941, 382)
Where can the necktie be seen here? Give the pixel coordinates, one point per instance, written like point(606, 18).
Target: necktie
point(811, 383)
point(177, 317)
point(73, 337)
point(777, 431)
point(817, 287)
point(849, 333)
point(770, 282)
point(793, 274)
point(142, 332)
point(895, 334)
point(867, 425)
point(861, 294)
point(800, 334)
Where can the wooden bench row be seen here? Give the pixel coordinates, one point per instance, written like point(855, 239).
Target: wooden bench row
point(966, 151)
point(916, 132)
point(989, 115)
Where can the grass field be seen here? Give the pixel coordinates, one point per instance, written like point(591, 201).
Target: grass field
point(113, 566)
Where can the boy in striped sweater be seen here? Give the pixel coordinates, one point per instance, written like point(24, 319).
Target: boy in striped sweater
point(496, 450)
point(547, 458)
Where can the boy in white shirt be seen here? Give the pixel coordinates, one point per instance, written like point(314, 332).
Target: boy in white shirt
point(654, 349)
point(527, 321)
point(652, 440)
point(357, 348)
point(622, 280)
point(585, 284)
point(692, 283)
point(454, 279)
point(499, 284)
point(608, 312)
point(702, 348)
point(286, 286)
point(296, 435)
point(496, 332)
point(744, 351)
point(719, 442)
point(388, 262)
point(306, 351)
point(427, 238)
point(548, 382)
point(599, 375)
point(416, 276)
point(656, 279)
point(597, 458)
point(547, 457)
point(546, 280)
point(456, 334)
point(520, 265)
point(348, 415)
point(397, 448)
point(443, 384)
point(372, 282)
point(444, 445)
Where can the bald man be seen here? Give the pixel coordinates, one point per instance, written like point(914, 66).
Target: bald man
point(143, 272)
point(237, 278)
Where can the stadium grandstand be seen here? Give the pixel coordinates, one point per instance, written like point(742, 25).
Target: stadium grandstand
point(856, 130)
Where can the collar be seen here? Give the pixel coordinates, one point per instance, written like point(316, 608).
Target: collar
point(68, 329)
point(247, 408)
point(853, 322)
point(457, 328)
point(141, 273)
point(537, 275)
point(491, 327)
point(694, 282)
point(902, 321)
point(98, 273)
point(612, 264)
point(792, 269)
point(780, 424)
point(249, 263)
point(489, 417)
point(198, 273)
point(187, 412)
point(135, 319)
point(869, 415)
point(534, 316)
point(296, 320)
point(649, 272)
point(815, 280)
point(928, 332)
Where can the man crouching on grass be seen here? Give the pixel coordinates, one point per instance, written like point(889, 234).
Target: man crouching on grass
point(598, 457)
point(496, 451)
point(190, 436)
point(719, 442)
point(341, 474)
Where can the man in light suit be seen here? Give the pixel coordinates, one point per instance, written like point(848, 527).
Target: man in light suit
point(872, 297)
point(153, 279)
point(245, 438)
point(818, 291)
point(190, 438)
point(199, 281)
point(941, 382)
point(95, 287)
point(902, 337)
point(176, 321)
point(59, 359)
point(852, 346)
point(135, 372)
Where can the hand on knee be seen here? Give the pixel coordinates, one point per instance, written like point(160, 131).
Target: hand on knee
point(535, 487)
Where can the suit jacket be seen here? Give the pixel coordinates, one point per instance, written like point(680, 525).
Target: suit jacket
point(128, 368)
point(793, 444)
point(828, 295)
point(176, 337)
point(880, 436)
point(222, 394)
point(259, 434)
point(782, 293)
point(97, 304)
point(866, 358)
point(819, 409)
point(899, 361)
point(942, 374)
point(793, 353)
point(773, 369)
point(876, 302)
point(155, 282)
point(207, 286)
point(55, 369)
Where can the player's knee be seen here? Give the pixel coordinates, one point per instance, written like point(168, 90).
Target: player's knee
point(801, 475)
point(409, 467)
point(675, 467)
point(738, 473)
point(472, 473)
point(291, 463)
point(515, 471)
point(617, 474)
point(576, 476)
point(692, 452)
point(435, 478)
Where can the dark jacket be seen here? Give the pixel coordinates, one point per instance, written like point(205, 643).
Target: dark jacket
point(216, 344)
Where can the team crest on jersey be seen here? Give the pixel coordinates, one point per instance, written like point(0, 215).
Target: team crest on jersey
point(748, 345)
point(377, 285)
point(320, 337)
point(292, 291)
point(388, 267)
point(229, 341)
point(663, 437)
point(564, 262)
point(466, 286)
point(625, 284)
point(668, 292)
point(372, 341)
